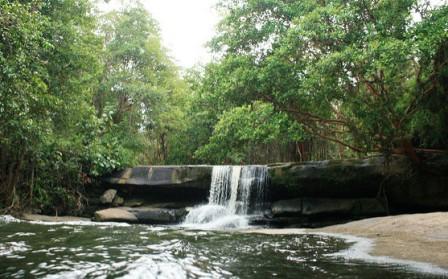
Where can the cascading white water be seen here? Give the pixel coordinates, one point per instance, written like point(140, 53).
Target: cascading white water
point(235, 191)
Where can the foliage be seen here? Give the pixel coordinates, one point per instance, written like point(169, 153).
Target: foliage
point(83, 94)
point(356, 73)
point(241, 129)
point(140, 88)
point(79, 98)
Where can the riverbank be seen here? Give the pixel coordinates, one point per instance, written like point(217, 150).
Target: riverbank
point(415, 237)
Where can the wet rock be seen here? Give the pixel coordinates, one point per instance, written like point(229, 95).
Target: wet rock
point(108, 196)
point(119, 214)
point(171, 205)
point(159, 215)
point(133, 203)
point(328, 206)
point(336, 207)
point(291, 207)
point(370, 207)
point(118, 201)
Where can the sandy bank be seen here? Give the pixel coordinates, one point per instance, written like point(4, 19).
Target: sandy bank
point(416, 237)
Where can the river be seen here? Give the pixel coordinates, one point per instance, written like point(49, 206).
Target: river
point(113, 250)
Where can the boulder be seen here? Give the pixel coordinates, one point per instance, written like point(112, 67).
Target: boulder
point(108, 196)
point(118, 201)
point(119, 214)
point(150, 215)
point(141, 215)
point(133, 202)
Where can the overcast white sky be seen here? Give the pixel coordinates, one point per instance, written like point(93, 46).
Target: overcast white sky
point(186, 26)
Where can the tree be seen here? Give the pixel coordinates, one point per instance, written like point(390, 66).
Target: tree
point(240, 132)
point(140, 87)
point(357, 73)
point(79, 98)
point(48, 72)
point(24, 98)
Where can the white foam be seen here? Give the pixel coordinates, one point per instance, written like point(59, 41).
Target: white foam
point(81, 223)
point(11, 219)
point(10, 248)
point(231, 191)
point(8, 219)
point(212, 216)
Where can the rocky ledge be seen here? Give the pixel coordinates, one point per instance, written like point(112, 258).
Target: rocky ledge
point(299, 193)
point(395, 183)
point(197, 176)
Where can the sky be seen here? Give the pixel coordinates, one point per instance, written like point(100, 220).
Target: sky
point(186, 27)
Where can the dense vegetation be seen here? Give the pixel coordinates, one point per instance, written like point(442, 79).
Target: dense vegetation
point(83, 93)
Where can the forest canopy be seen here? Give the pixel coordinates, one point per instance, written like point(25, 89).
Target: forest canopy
point(84, 93)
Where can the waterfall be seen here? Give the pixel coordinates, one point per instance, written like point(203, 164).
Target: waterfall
point(235, 192)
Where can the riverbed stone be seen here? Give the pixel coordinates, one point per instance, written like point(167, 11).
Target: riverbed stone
point(118, 201)
point(133, 202)
point(149, 215)
point(108, 196)
point(115, 215)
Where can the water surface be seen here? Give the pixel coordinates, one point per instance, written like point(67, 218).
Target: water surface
point(89, 250)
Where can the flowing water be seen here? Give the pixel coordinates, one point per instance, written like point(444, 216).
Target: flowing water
point(235, 192)
point(211, 243)
point(96, 250)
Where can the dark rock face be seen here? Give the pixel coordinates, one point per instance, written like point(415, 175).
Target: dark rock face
point(167, 176)
point(333, 179)
point(291, 207)
point(170, 187)
point(315, 207)
point(405, 187)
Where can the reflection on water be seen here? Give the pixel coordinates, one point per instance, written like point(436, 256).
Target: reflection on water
point(80, 250)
